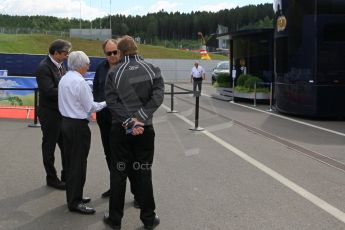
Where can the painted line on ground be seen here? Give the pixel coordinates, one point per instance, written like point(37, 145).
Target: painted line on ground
point(287, 118)
point(335, 212)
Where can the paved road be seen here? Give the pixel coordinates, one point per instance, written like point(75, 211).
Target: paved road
point(247, 170)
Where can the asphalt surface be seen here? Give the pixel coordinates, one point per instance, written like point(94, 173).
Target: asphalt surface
point(249, 169)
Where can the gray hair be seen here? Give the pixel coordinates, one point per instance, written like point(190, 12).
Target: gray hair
point(77, 59)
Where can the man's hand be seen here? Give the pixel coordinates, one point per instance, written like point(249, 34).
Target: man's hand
point(137, 130)
point(133, 126)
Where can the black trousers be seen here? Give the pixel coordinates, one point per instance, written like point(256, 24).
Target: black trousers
point(131, 156)
point(103, 118)
point(197, 83)
point(50, 120)
point(77, 138)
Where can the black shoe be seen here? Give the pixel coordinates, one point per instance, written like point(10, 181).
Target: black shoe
point(108, 221)
point(86, 200)
point(106, 194)
point(136, 204)
point(156, 222)
point(83, 209)
point(56, 184)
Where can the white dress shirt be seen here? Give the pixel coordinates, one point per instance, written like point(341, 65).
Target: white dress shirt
point(197, 72)
point(75, 97)
point(58, 65)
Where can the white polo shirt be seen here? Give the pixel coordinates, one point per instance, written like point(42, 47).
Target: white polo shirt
point(197, 72)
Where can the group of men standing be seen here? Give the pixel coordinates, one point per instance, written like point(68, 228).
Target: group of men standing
point(126, 92)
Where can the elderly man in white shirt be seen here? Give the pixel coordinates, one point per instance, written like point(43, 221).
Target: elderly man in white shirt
point(76, 105)
point(197, 76)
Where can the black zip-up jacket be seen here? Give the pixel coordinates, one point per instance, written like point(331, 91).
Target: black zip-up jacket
point(48, 77)
point(134, 88)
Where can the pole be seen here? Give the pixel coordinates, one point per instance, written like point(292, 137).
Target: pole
point(100, 19)
point(110, 15)
point(271, 97)
point(35, 124)
point(90, 19)
point(196, 124)
point(172, 100)
point(80, 14)
point(233, 90)
point(254, 94)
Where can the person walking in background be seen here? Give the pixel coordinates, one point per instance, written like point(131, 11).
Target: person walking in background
point(76, 105)
point(103, 117)
point(134, 90)
point(48, 75)
point(197, 76)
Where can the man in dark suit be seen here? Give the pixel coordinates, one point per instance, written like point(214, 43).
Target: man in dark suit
point(103, 117)
point(48, 75)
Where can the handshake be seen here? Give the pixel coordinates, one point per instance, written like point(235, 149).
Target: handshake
point(133, 126)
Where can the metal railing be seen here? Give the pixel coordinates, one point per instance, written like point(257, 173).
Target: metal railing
point(254, 93)
point(185, 91)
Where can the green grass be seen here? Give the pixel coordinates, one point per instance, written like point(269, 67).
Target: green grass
point(27, 100)
point(38, 44)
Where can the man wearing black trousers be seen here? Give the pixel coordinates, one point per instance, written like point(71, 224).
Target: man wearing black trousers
point(76, 105)
point(48, 75)
point(103, 117)
point(134, 90)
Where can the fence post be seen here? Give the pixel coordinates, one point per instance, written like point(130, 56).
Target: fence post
point(172, 99)
point(35, 124)
point(254, 94)
point(271, 97)
point(196, 124)
point(233, 90)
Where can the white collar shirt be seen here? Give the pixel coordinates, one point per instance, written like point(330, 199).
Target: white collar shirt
point(197, 72)
point(58, 65)
point(75, 98)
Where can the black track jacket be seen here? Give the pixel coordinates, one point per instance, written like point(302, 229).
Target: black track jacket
point(134, 88)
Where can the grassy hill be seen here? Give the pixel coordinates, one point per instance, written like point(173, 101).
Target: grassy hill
point(38, 44)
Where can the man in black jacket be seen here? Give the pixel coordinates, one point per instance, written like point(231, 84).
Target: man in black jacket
point(48, 75)
point(134, 90)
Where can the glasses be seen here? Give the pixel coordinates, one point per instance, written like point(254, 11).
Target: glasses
point(109, 53)
point(65, 51)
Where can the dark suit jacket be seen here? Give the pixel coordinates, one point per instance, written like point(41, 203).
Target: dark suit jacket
point(48, 77)
point(99, 81)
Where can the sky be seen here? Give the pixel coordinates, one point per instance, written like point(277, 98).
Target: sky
point(91, 9)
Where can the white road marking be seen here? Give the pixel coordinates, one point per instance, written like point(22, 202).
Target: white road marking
point(290, 119)
point(335, 212)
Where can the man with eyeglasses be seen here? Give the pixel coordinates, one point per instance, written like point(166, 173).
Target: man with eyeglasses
point(103, 117)
point(48, 75)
